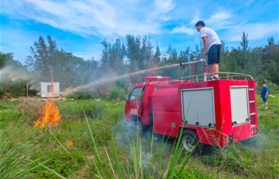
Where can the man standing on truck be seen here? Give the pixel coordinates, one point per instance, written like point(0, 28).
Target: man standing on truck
point(264, 95)
point(212, 47)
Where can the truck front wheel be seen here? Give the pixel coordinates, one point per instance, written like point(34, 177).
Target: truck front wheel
point(190, 141)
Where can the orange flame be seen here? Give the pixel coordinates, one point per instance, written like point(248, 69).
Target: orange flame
point(70, 143)
point(49, 114)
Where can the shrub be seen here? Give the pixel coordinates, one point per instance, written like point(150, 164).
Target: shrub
point(13, 89)
point(90, 108)
point(116, 93)
point(80, 95)
point(1, 90)
point(63, 163)
point(269, 124)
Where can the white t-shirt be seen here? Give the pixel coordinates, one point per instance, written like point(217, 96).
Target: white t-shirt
point(212, 37)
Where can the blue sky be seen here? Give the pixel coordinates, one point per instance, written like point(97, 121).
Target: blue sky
point(78, 26)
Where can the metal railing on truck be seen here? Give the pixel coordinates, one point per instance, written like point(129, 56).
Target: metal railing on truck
point(206, 77)
point(222, 75)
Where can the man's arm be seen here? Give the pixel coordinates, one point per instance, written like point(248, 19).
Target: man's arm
point(266, 93)
point(204, 41)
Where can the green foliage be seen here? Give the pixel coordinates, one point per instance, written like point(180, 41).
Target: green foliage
point(14, 89)
point(80, 95)
point(106, 146)
point(63, 163)
point(116, 93)
point(11, 83)
point(1, 90)
point(8, 115)
point(193, 173)
point(269, 123)
point(52, 64)
point(271, 60)
point(93, 109)
point(16, 150)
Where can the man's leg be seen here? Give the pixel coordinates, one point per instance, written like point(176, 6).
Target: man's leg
point(265, 102)
point(215, 69)
point(211, 69)
point(266, 105)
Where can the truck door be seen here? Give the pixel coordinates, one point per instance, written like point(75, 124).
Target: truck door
point(133, 104)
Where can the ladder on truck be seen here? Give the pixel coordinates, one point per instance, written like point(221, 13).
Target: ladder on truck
point(252, 102)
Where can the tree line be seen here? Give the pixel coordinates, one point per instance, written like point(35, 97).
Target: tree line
point(46, 62)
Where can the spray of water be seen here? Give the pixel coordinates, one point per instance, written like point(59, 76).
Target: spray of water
point(104, 81)
point(14, 75)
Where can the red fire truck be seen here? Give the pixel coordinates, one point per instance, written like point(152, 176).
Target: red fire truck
point(211, 112)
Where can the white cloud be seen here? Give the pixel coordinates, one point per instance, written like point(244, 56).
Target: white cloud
point(97, 17)
point(219, 16)
point(255, 31)
point(196, 18)
point(220, 20)
point(164, 6)
point(183, 29)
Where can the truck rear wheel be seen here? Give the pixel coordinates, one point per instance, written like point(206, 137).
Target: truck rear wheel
point(190, 141)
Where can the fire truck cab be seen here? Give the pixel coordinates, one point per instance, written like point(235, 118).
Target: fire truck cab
point(212, 112)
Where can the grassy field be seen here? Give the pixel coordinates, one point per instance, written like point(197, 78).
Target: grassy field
point(94, 141)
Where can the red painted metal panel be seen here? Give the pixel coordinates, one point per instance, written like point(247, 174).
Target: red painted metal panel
point(242, 132)
point(166, 111)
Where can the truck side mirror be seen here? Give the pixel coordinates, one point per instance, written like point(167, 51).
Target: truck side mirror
point(126, 98)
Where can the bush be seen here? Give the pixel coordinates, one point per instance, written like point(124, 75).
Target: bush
point(269, 124)
point(92, 109)
point(116, 93)
point(13, 89)
point(1, 90)
point(63, 163)
point(80, 95)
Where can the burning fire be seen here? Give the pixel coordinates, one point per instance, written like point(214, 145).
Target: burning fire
point(70, 143)
point(48, 114)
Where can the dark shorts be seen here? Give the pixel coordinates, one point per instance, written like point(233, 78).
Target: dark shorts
point(214, 54)
point(264, 99)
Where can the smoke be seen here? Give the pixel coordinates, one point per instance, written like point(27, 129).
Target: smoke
point(127, 137)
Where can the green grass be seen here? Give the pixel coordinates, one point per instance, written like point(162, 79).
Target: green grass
point(106, 146)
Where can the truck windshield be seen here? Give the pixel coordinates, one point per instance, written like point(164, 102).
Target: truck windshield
point(136, 94)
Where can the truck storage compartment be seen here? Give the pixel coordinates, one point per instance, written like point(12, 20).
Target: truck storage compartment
point(198, 107)
point(239, 104)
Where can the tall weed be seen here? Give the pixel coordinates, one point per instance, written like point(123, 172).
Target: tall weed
point(16, 158)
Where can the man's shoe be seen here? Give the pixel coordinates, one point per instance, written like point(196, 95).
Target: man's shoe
point(216, 77)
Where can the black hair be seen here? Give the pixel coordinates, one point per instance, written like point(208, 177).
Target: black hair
point(200, 23)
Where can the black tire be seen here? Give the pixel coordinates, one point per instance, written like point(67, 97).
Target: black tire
point(190, 142)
